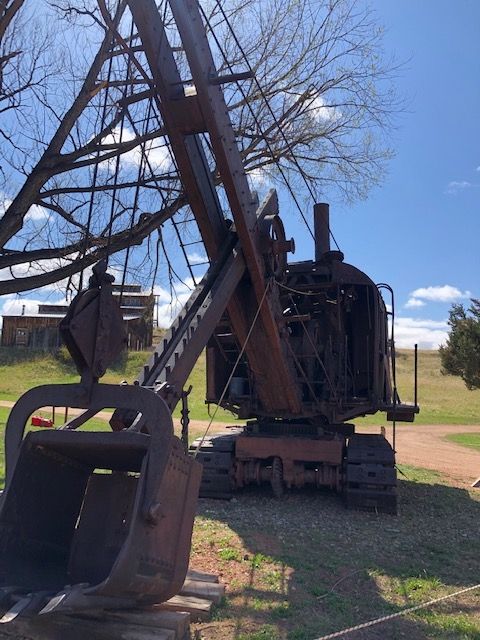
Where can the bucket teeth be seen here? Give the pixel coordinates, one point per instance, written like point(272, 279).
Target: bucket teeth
point(27, 606)
point(77, 598)
point(53, 604)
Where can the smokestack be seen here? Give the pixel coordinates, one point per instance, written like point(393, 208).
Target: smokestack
point(321, 220)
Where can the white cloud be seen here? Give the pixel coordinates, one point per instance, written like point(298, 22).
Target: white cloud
point(428, 334)
point(258, 178)
point(20, 306)
point(197, 258)
point(37, 213)
point(458, 185)
point(157, 151)
point(26, 270)
point(4, 204)
point(14, 306)
point(170, 303)
point(40, 267)
point(320, 111)
point(445, 293)
point(414, 302)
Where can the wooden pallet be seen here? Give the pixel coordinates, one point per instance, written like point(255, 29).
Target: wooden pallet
point(167, 621)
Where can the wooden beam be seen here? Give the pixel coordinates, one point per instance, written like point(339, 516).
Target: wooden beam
point(198, 608)
point(275, 378)
point(281, 378)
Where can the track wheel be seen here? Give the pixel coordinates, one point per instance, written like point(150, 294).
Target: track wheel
point(277, 483)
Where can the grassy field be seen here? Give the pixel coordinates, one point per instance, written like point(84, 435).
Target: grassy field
point(471, 440)
point(22, 370)
point(443, 399)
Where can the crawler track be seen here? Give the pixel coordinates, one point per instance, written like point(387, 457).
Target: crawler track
point(216, 455)
point(370, 474)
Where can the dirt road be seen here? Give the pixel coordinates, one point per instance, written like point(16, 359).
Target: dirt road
point(426, 446)
point(418, 445)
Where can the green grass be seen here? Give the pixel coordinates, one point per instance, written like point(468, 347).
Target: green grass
point(471, 440)
point(96, 424)
point(305, 567)
point(265, 633)
point(21, 370)
point(228, 554)
point(457, 626)
point(196, 400)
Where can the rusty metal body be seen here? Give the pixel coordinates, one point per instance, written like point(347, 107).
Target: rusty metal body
point(337, 335)
point(304, 460)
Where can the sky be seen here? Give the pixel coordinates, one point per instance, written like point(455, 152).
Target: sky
point(419, 231)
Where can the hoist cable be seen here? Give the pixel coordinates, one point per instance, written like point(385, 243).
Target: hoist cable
point(140, 175)
point(96, 165)
point(253, 114)
point(155, 180)
point(160, 191)
point(128, 86)
point(237, 362)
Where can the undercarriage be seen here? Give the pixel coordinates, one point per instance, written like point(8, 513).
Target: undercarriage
point(359, 467)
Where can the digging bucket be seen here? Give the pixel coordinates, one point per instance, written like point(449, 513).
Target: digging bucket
point(94, 519)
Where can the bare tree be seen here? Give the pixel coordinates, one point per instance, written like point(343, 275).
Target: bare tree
point(97, 174)
point(25, 67)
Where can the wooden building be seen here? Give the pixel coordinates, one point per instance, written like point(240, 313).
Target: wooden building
point(40, 331)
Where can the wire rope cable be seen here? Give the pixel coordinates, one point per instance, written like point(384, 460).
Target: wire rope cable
point(240, 355)
point(398, 614)
point(96, 166)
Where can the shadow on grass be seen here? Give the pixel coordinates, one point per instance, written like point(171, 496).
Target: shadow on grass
point(308, 567)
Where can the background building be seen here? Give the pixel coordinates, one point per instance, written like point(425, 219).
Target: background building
point(40, 331)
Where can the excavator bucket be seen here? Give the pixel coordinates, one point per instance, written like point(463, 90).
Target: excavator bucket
point(94, 519)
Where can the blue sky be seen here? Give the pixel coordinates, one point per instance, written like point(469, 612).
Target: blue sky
point(420, 230)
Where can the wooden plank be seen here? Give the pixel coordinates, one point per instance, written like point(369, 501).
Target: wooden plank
point(206, 590)
point(62, 627)
point(198, 608)
point(176, 621)
point(193, 574)
point(135, 632)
